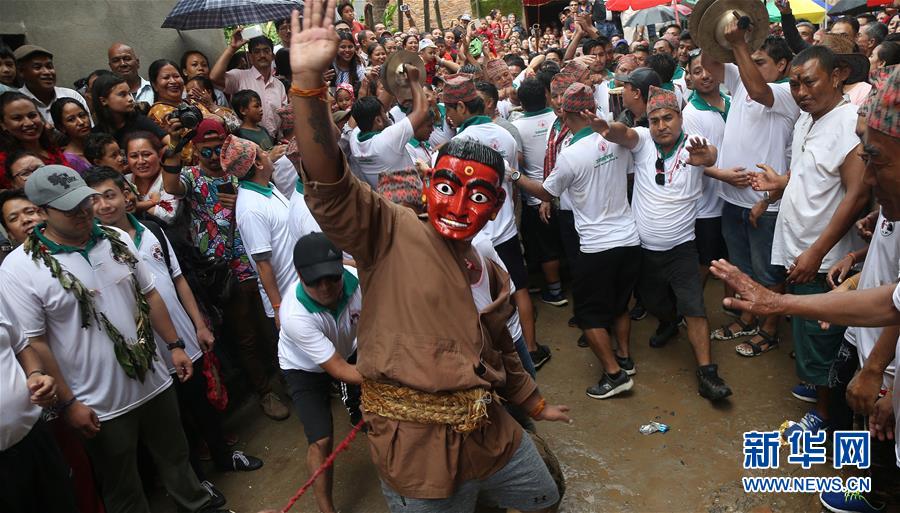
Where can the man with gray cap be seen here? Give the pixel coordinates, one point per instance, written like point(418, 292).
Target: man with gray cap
point(317, 344)
point(35, 66)
point(86, 304)
point(636, 88)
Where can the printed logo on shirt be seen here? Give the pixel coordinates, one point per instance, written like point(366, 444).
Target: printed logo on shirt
point(887, 228)
point(603, 146)
point(354, 318)
point(157, 253)
point(609, 157)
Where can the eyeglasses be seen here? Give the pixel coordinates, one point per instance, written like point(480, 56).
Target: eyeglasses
point(660, 172)
point(25, 173)
point(208, 152)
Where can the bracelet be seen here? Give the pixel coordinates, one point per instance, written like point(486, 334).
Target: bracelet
point(318, 92)
point(852, 258)
point(61, 407)
point(172, 170)
point(276, 306)
point(39, 371)
point(538, 408)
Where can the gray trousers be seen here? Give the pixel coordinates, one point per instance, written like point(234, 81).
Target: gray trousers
point(113, 453)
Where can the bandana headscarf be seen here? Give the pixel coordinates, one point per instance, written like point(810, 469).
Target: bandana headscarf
point(238, 156)
point(561, 81)
point(459, 88)
point(578, 98)
point(494, 68)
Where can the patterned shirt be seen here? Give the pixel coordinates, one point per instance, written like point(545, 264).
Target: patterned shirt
point(212, 225)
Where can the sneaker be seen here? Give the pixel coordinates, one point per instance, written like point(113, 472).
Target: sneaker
point(805, 392)
point(583, 341)
point(607, 387)
point(554, 299)
point(627, 365)
point(664, 332)
point(216, 498)
point(638, 312)
point(712, 387)
point(273, 407)
point(810, 422)
point(241, 462)
point(540, 357)
point(849, 502)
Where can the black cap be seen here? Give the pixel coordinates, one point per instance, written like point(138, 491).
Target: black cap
point(316, 257)
point(642, 79)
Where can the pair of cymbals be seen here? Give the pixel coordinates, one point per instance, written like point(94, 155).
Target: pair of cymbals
point(393, 75)
point(710, 18)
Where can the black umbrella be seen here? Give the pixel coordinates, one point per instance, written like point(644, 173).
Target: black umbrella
point(206, 14)
point(849, 7)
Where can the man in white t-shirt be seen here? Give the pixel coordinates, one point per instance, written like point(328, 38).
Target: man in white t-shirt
point(819, 204)
point(540, 230)
point(465, 109)
point(199, 418)
point(317, 344)
point(113, 387)
point(378, 147)
point(705, 115)
point(668, 172)
point(758, 130)
point(262, 214)
point(30, 462)
point(594, 172)
point(873, 307)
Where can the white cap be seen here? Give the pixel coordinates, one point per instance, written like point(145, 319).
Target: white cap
point(426, 43)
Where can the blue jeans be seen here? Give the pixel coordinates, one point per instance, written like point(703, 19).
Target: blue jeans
point(527, 364)
point(749, 248)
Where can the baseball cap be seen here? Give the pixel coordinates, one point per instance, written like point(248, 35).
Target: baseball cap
point(26, 50)
point(316, 257)
point(642, 79)
point(426, 43)
point(466, 17)
point(339, 115)
point(58, 187)
point(208, 129)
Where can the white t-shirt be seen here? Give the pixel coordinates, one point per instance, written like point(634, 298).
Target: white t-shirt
point(167, 208)
point(86, 358)
point(284, 176)
point(504, 107)
point(534, 127)
point(702, 119)
point(19, 414)
point(881, 267)
point(481, 291)
point(595, 173)
point(895, 395)
point(665, 214)
point(382, 153)
point(815, 190)
point(311, 334)
point(503, 228)
point(301, 221)
point(419, 151)
point(262, 219)
point(150, 252)
point(756, 134)
point(601, 98)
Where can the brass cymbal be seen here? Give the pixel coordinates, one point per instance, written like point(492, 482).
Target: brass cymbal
point(694, 20)
point(710, 35)
point(394, 78)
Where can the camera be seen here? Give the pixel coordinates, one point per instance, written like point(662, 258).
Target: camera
point(189, 115)
point(404, 8)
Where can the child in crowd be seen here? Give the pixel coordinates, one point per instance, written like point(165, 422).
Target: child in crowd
point(248, 107)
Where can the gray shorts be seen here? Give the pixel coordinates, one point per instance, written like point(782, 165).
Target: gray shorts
point(524, 484)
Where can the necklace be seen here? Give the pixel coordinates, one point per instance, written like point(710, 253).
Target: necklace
point(135, 357)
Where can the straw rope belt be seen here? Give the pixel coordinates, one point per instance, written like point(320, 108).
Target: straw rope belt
point(464, 410)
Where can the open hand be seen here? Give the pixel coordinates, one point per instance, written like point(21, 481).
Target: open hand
point(735, 177)
point(700, 152)
point(768, 180)
point(313, 48)
point(598, 124)
point(755, 298)
point(554, 412)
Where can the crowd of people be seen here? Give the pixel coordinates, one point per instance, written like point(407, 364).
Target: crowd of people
point(273, 219)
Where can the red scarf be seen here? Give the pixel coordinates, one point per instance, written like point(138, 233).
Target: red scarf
point(554, 145)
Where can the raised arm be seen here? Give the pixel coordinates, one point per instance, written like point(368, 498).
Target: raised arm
point(217, 73)
point(789, 27)
point(420, 112)
point(757, 88)
point(312, 51)
point(614, 132)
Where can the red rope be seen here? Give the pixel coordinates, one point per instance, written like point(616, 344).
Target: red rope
point(329, 461)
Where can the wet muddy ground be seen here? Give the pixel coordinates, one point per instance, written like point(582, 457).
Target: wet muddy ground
point(609, 465)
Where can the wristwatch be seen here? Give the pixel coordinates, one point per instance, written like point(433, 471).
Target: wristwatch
point(515, 175)
point(768, 199)
point(178, 344)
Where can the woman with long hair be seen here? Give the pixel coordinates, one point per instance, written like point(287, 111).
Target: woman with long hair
point(142, 149)
point(114, 110)
point(347, 66)
point(74, 123)
point(411, 43)
point(377, 54)
point(23, 128)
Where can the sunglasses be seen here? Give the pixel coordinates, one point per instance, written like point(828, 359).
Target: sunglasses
point(660, 172)
point(208, 152)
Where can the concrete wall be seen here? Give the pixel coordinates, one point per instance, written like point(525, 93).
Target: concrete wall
point(79, 32)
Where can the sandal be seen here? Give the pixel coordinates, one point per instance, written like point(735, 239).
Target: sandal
point(725, 333)
point(751, 348)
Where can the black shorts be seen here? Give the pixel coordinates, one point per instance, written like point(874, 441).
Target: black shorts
point(670, 282)
point(541, 239)
point(311, 394)
point(710, 242)
point(603, 285)
point(511, 254)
